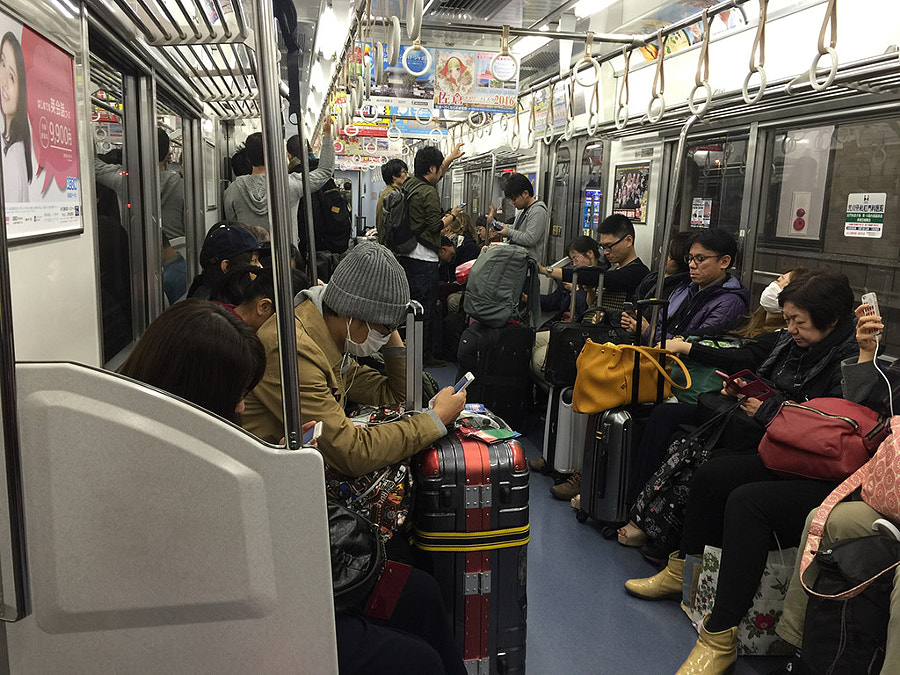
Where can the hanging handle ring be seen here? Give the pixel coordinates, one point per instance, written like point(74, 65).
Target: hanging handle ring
point(587, 60)
point(621, 117)
point(532, 126)
point(569, 130)
point(830, 22)
point(428, 117)
point(508, 65)
point(394, 41)
point(550, 118)
point(393, 133)
point(759, 48)
point(659, 82)
point(416, 47)
point(701, 79)
point(435, 139)
point(593, 123)
point(379, 62)
point(477, 119)
point(414, 11)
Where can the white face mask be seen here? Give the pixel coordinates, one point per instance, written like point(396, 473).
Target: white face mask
point(373, 343)
point(768, 299)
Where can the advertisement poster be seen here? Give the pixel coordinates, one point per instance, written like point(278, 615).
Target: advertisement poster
point(865, 215)
point(540, 101)
point(463, 81)
point(400, 88)
point(676, 12)
point(701, 212)
point(39, 137)
point(631, 192)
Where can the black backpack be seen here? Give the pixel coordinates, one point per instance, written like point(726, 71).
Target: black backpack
point(331, 219)
point(848, 637)
point(398, 234)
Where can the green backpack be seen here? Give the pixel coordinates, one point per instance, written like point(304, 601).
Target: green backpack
point(703, 376)
point(497, 280)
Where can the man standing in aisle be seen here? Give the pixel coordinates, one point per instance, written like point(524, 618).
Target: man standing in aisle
point(426, 219)
point(394, 172)
point(530, 227)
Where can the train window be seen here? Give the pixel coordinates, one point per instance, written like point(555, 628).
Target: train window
point(590, 208)
point(816, 177)
point(171, 153)
point(113, 206)
point(714, 184)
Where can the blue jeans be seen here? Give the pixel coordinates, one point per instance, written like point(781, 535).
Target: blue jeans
point(423, 286)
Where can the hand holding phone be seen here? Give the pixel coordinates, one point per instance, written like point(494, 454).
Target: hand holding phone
point(747, 383)
point(870, 307)
point(312, 433)
point(497, 227)
point(464, 382)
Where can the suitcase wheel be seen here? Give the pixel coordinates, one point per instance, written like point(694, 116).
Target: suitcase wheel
point(581, 516)
point(608, 532)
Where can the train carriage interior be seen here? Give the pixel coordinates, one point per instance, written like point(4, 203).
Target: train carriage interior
point(140, 532)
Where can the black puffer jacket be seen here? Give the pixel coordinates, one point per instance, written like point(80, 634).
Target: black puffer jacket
point(802, 373)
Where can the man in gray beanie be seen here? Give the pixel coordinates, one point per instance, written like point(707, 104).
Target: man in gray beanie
point(356, 314)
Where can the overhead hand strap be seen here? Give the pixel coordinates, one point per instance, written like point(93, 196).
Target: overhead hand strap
point(757, 57)
point(829, 22)
point(701, 79)
point(659, 81)
point(622, 104)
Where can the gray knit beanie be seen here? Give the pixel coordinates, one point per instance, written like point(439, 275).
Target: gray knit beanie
point(370, 285)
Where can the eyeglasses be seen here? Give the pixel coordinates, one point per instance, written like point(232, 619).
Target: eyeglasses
point(699, 259)
point(608, 247)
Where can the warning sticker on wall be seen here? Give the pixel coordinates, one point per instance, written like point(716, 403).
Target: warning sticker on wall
point(865, 215)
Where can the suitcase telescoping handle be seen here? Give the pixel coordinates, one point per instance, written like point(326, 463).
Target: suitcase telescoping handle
point(415, 337)
point(649, 305)
point(575, 271)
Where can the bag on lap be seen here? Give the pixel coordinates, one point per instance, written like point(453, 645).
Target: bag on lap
point(357, 557)
point(823, 438)
point(497, 280)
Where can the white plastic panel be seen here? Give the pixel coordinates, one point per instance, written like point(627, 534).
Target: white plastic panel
point(176, 546)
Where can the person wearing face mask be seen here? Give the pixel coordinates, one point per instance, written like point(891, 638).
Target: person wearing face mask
point(355, 315)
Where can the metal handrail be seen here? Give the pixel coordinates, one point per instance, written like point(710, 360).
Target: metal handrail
point(279, 216)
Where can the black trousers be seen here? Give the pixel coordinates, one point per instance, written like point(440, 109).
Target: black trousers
point(738, 504)
point(664, 421)
point(416, 640)
point(422, 277)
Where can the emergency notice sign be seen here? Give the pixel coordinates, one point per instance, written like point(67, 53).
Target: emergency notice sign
point(865, 215)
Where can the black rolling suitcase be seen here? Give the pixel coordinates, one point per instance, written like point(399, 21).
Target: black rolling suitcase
point(471, 521)
point(499, 359)
point(612, 436)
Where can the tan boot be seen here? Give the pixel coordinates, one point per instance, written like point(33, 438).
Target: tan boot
point(714, 653)
point(666, 584)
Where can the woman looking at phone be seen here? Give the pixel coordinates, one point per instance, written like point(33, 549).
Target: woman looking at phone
point(734, 501)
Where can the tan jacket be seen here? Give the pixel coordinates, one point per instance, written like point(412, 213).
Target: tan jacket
point(351, 450)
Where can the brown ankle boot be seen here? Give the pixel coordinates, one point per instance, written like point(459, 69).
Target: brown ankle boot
point(666, 584)
point(714, 653)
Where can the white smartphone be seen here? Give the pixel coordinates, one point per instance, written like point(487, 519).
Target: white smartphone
point(871, 301)
point(464, 382)
point(312, 433)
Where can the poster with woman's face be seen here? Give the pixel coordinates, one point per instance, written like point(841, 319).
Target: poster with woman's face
point(38, 134)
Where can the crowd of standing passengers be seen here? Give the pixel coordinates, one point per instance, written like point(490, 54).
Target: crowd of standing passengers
point(806, 339)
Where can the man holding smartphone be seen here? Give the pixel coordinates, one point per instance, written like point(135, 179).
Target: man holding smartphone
point(530, 227)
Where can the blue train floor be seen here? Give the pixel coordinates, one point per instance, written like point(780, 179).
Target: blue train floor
point(580, 619)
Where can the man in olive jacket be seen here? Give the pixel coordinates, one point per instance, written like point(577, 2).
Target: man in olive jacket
point(427, 219)
point(356, 314)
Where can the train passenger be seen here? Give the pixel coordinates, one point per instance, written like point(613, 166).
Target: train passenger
point(246, 199)
point(619, 282)
point(582, 250)
point(713, 298)
point(16, 137)
point(202, 353)
point(735, 502)
point(174, 272)
point(426, 219)
point(394, 172)
point(240, 164)
point(532, 223)
point(356, 314)
point(677, 273)
point(759, 335)
point(462, 231)
point(849, 519)
point(226, 245)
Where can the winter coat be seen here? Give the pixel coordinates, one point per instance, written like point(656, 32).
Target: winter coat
point(324, 389)
point(694, 312)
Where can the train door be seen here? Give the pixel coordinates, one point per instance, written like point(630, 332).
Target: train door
point(712, 190)
point(560, 173)
point(474, 191)
point(829, 198)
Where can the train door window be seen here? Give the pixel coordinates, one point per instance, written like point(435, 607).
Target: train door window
point(832, 200)
point(474, 191)
point(115, 234)
point(505, 207)
point(713, 188)
point(590, 208)
point(559, 203)
point(171, 147)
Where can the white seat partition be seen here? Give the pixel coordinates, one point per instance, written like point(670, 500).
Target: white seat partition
point(163, 539)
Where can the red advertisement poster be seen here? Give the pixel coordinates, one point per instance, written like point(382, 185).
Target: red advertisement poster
point(38, 134)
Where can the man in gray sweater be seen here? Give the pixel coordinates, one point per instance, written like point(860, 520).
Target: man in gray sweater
point(529, 229)
point(246, 199)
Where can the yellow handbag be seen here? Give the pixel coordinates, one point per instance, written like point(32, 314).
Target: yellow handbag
point(606, 376)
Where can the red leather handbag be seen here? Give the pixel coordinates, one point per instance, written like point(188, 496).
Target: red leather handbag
point(824, 438)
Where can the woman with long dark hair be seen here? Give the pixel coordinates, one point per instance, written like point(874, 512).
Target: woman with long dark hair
point(16, 137)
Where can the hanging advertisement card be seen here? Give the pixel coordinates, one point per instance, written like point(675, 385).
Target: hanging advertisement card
point(398, 87)
point(631, 192)
point(39, 137)
point(464, 81)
